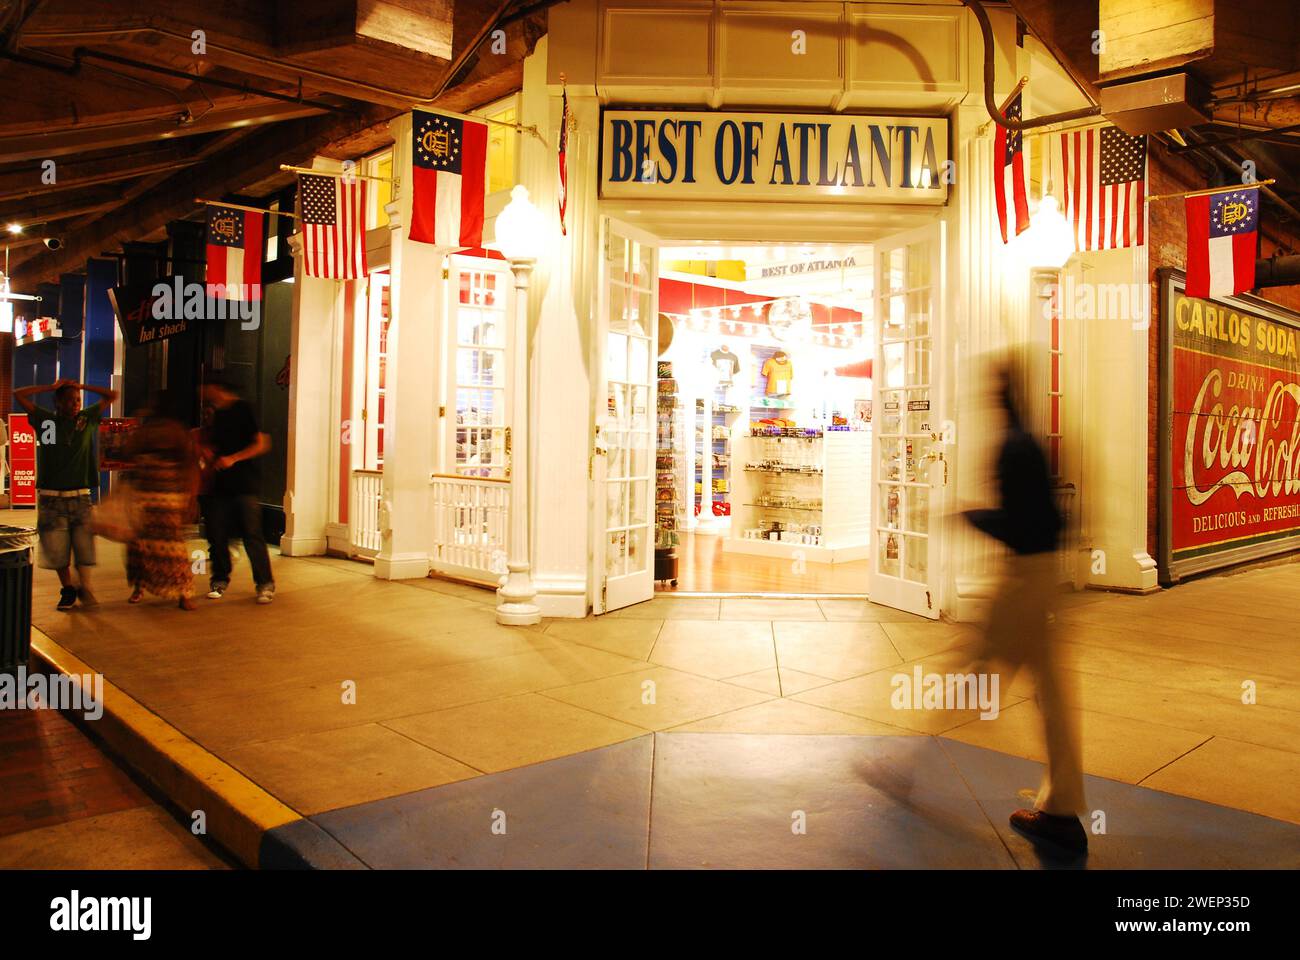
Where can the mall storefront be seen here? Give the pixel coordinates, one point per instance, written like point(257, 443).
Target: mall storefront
point(761, 340)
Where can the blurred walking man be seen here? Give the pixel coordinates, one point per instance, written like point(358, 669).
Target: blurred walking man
point(236, 443)
point(67, 469)
point(1019, 631)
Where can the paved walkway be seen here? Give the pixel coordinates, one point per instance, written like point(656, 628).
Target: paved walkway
point(65, 804)
point(398, 716)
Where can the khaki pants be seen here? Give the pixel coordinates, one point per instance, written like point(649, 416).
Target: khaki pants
point(1019, 634)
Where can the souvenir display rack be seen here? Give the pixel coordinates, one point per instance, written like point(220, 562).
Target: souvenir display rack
point(803, 491)
point(669, 476)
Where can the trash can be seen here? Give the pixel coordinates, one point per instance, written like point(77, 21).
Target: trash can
point(15, 597)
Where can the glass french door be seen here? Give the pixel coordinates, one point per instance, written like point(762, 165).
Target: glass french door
point(908, 439)
point(623, 456)
point(478, 399)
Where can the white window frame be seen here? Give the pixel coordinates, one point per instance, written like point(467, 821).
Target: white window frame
point(498, 304)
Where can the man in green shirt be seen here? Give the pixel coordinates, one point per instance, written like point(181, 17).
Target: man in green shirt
point(67, 469)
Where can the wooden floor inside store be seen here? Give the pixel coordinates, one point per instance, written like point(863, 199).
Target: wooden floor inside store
point(703, 567)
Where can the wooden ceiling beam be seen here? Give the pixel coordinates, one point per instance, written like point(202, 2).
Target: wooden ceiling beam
point(62, 143)
point(27, 180)
point(386, 59)
point(252, 158)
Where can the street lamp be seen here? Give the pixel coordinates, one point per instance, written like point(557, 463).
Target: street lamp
point(521, 234)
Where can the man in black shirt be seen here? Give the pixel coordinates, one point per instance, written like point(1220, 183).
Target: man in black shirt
point(1019, 631)
point(236, 443)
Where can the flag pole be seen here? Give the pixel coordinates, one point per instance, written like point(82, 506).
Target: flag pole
point(240, 206)
point(1006, 103)
point(336, 173)
point(1211, 190)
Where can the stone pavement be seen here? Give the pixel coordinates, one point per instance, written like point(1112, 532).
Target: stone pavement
point(65, 804)
point(761, 708)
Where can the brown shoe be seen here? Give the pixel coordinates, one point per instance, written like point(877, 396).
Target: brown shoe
point(1063, 836)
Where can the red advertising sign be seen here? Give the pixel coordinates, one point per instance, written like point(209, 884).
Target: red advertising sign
point(1231, 444)
point(22, 462)
point(113, 435)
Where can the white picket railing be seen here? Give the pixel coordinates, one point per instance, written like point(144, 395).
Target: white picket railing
point(365, 494)
point(471, 516)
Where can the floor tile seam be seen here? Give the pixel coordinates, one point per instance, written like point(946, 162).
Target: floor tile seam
point(1220, 699)
point(446, 756)
point(658, 633)
point(650, 800)
point(1185, 753)
point(1086, 772)
point(952, 762)
point(1138, 785)
point(890, 640)
point(1183, 664)
point(776, 654)
point(1164, 635)
point(417, 713)
point(927, 733)
point(606, 716)
point(779, 668)
point(1160, 655)
point(1119, 716)
point(639, 733)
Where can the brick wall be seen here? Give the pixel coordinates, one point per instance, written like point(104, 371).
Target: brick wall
point(1167, 247)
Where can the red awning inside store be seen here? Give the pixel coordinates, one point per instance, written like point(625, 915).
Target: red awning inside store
point(861, 370)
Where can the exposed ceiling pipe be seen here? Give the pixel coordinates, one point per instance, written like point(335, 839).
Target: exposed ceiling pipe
point(1228, 160)
point(1270, 135)
point(986, 31)
point(459, 61)
point(1277, 272)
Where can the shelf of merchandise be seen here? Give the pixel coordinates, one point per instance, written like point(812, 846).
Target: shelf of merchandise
point(711, 463)
point(827, 480)
point(670, 468)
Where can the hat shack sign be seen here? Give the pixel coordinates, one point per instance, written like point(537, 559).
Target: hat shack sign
point(774, 156)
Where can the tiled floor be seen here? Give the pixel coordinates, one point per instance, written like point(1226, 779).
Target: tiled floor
point(348, 690)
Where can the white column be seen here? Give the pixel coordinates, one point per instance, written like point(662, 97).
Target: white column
point(316, 317)
point(563, 294)
point(1114, 448)
point(411, 377)
point(517, 607)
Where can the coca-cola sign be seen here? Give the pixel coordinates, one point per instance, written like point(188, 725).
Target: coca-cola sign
point(1230, 430)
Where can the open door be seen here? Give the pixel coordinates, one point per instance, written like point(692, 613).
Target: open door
point(622, 463)
point(908, 440)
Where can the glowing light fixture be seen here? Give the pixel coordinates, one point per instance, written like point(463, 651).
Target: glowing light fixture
point(1049, 241)
point(521, 228)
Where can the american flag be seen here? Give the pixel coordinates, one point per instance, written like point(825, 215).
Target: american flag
point(1009, 173)
point(333, 226)
point(1100, 179)
point(449, 180)
point(234, 252)
point(563, 192)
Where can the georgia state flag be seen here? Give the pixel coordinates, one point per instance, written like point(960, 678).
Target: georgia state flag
point(1221, 244)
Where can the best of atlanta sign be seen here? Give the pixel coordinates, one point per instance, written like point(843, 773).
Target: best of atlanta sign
point(777, 157)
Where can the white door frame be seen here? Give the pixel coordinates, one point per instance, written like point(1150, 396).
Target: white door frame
point(611, 593)
point(898, 430)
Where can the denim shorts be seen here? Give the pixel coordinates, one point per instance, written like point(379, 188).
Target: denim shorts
point(64, 527)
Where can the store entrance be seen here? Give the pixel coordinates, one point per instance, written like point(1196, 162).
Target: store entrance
point(763, 455)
